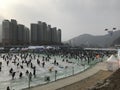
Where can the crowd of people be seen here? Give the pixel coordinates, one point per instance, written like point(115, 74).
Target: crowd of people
point(24, 60)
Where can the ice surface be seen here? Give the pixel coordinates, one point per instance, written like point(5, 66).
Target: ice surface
point(19, 83)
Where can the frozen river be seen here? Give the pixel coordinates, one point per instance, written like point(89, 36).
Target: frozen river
point(64, 67)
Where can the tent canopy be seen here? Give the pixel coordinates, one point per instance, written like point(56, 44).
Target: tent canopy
point(36, 47)
point(112, 59)
point(12, 49)
point(112, 63)
point(119, 54)
point(49, 47)
point(24, 49)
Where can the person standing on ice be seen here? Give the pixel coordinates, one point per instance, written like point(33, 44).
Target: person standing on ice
point(31, 65)
point(43, 64)
point(27, 72)
point(34, 71)
point(11, 71)
point(21, 66)
point(55, 62)
point(0, 66)
point(17, 65)
point(38, 62)
point(21, 74)
point(13, 75)
point(30, 76)
point(43, 58)
point(7, 63)
point(8, 88)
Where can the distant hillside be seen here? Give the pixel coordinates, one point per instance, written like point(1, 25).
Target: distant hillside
point(117, 41)
point(87, 40)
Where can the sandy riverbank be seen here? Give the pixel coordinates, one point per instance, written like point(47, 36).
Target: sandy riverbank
point(88, 82)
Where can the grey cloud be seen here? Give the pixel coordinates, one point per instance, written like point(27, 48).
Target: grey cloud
point(91, 13)
point(74, 17)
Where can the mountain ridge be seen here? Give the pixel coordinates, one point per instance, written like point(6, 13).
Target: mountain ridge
point(88, 40)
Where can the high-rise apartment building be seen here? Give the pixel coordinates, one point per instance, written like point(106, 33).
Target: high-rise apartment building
point(26, 36)
point(44, 25)
point(40, 34)
point(20, 34)
point(34, 33)
point(59, 36)
point(6, 28)
point(13, 33)
point(1, 34)
point(49, 34)
point(43, 34)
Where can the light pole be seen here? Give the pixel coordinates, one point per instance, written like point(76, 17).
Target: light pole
point(55, 75)
point(29, 79)
point(73, 70)
point(110, 31)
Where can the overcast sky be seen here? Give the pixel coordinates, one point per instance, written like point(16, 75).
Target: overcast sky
point(74, 17)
